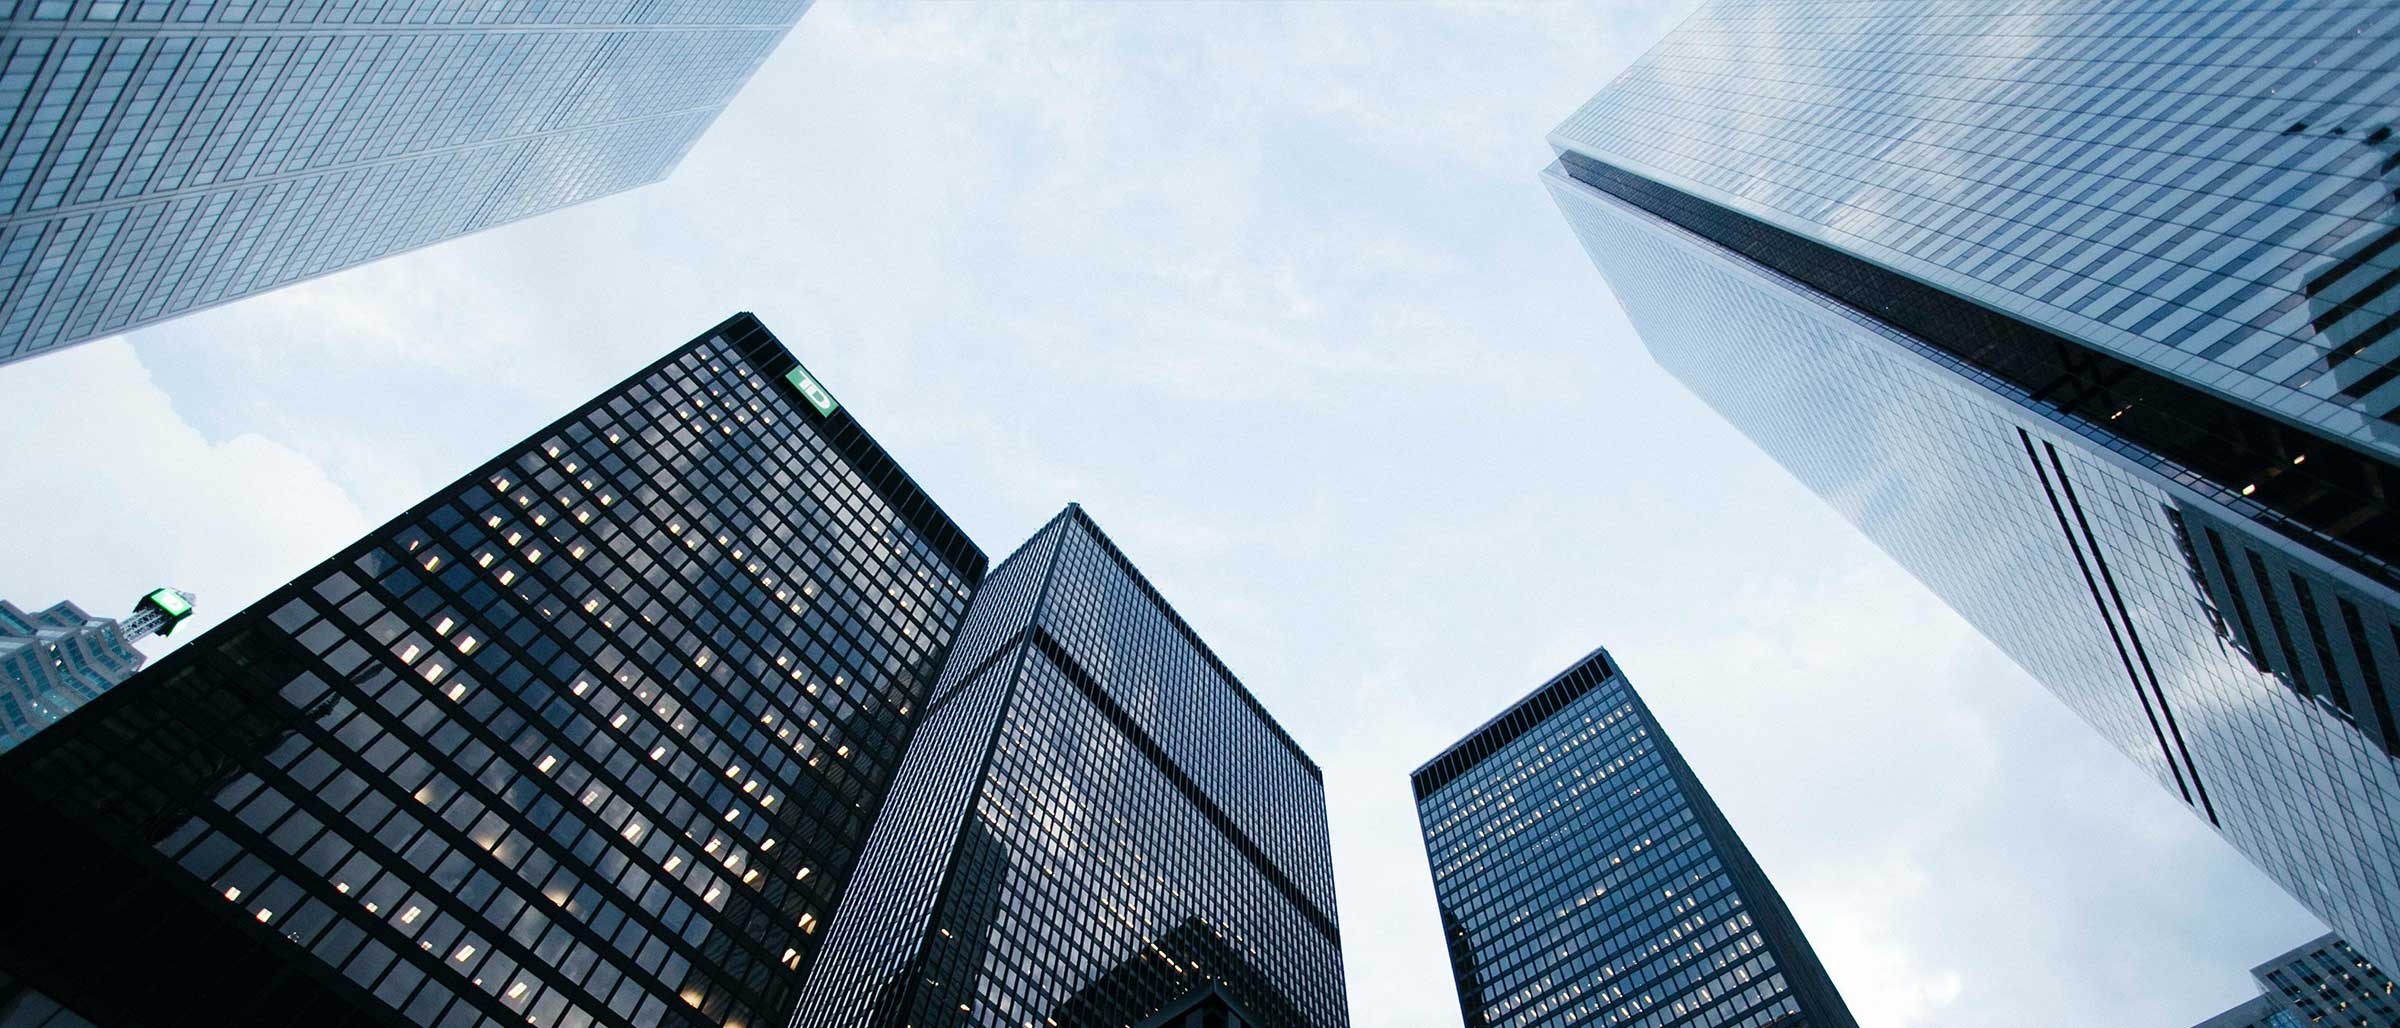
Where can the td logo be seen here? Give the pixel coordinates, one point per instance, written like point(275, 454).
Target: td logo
point(815, 393)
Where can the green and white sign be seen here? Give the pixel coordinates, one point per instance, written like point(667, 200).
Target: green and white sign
point(812, 389)
point(171, 604)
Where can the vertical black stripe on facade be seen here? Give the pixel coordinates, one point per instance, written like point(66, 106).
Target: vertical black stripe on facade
point(2283, 637)
point(2202, 588)
point(2132, 635)
point(2093, 586)
point(2370, 677)
point(2338, 502)
point(2315, 622)
point(2254, 647)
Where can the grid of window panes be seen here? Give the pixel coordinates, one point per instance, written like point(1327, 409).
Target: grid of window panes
point(159, 156)
point(1116, 825)
point(2248, 674)
point(1585, 878)
point(590, 738)
point(2204, 187)
point(53, 661)
point(2328, 983)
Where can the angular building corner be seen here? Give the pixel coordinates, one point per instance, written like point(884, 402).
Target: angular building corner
point(2320, 982)
point(1096, 825)
point(591, 736)
point(1586, 877)
point(2106, 362)
point(158, 157)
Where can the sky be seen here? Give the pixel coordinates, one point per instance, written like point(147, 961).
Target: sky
point(1272, 290)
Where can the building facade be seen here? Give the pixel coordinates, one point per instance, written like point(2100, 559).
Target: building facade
point(1586, 877)
point(592, 736)
point(1096, 823)
point(2326, 982)
point(2321, 982)
point(162, 156)
point(53, 661)
point(2095, 347)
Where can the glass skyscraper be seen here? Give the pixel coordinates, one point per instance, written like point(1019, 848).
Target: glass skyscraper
point(161, 156)
point(592, 736)
point(53, 661)
point(2322, 982)
point(2082, 312)
point(1096, 823)
point(1586, 878)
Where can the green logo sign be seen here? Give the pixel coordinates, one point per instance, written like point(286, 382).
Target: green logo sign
point(170, 604)
point(815, 392)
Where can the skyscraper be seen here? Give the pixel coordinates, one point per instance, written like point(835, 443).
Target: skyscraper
point(1096, 823)
point(2082, 312)
point(56, 660)
point(591, 736)
point(1586, 877)
point(162, 156)
point(2321, 982)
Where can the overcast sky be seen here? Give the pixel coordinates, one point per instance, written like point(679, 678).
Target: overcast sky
point(1273, 291)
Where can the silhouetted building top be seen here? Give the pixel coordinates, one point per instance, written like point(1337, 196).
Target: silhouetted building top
point(1586, 877)
point(2083, 314)
point(591, 736)
point(1095, 820)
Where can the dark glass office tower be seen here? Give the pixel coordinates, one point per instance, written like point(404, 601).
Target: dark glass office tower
point(2083, 312)
point(2321, 982)
point(1586, 878)
point(1095, 825)
point(592, 736)
point(161, 156)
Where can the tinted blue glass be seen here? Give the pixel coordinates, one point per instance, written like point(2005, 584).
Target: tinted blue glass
point(1095, 822)
point(2242, 669)
point(1851, 227)
point(2205, 187)
point(167, 155)
point(1586, 878)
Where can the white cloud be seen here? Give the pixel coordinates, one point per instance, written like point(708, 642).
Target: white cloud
point(110, 494)
point(1274, 291)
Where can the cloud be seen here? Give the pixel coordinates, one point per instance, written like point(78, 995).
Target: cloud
point(111, 494)
point(1273, 290)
